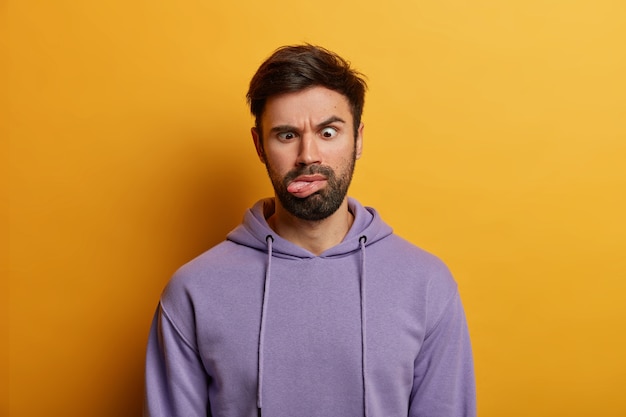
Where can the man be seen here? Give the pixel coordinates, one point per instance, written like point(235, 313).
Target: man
point(312, 306)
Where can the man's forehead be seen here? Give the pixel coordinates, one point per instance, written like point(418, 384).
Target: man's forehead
point(314, 105)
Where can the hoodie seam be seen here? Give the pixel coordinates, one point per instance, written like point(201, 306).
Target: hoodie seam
point(180, 334)
point(444, 311)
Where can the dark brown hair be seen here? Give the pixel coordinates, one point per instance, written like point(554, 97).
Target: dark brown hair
point(294, 68)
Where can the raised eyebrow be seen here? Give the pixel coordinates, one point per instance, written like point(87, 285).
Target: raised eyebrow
point(329, 121)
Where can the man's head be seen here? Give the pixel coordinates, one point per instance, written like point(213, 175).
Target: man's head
point(308, 102)
point(295, 68)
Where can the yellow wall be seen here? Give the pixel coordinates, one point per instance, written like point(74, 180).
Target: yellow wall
point(495, 137)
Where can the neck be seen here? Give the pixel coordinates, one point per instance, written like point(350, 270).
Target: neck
point(314, 236)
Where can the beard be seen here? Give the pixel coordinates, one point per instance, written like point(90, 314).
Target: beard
point(320, 204)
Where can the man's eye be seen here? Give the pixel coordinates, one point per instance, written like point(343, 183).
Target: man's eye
point(286, 135)
point(328, 132)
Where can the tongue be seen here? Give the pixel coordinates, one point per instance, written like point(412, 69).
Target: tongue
point(302, 189)
point(298, 186)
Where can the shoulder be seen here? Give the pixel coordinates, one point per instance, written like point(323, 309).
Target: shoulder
point(224, 268)
point(405, 257)
point(416, 274)
point(226, 257)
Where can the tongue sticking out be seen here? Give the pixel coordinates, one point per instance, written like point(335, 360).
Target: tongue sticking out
point(296, 186)
point(303, 189)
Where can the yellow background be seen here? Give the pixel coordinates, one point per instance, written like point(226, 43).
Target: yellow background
point(495, 137)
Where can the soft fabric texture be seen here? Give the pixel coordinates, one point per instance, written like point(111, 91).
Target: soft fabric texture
point(372, 327)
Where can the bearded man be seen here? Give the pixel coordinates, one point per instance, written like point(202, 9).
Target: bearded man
point(312, 307)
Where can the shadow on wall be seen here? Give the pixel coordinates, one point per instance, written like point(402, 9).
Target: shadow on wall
point(199, 199)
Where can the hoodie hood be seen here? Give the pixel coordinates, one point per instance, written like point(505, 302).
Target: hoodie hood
point(254, 231)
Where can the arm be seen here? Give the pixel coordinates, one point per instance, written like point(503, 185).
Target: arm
point(176, 383)
point(443, 382)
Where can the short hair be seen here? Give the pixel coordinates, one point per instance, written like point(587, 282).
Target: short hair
point(297, 67)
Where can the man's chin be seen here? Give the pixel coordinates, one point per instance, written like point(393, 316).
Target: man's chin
point(312, 208)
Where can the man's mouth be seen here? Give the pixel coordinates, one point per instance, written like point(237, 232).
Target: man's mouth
point(305, 185)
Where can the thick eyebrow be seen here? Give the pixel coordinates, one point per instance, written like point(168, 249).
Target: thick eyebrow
point(289, 128)
point(283, 128)
point(330, 120)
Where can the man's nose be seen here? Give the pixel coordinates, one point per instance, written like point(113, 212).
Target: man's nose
point(309, 151)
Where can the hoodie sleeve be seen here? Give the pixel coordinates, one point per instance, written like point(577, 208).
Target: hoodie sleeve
point(176, 383)
point(443, 384)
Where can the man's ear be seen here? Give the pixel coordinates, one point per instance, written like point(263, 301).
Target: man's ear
point(258, 143)
point(359, 141)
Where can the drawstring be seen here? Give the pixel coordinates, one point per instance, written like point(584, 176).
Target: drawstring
point(266, 291)
point(362, 241)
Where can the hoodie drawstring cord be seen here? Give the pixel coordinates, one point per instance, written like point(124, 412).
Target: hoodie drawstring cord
point(266, 291)
point(362, 241)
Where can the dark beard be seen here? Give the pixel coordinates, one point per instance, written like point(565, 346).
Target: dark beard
point(320, 204)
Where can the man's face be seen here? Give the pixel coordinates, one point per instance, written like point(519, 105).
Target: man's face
point(309, 150)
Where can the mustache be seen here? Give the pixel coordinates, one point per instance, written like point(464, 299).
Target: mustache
point(309, 170)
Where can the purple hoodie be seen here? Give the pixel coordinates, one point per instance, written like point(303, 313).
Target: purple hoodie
point(257, 325)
